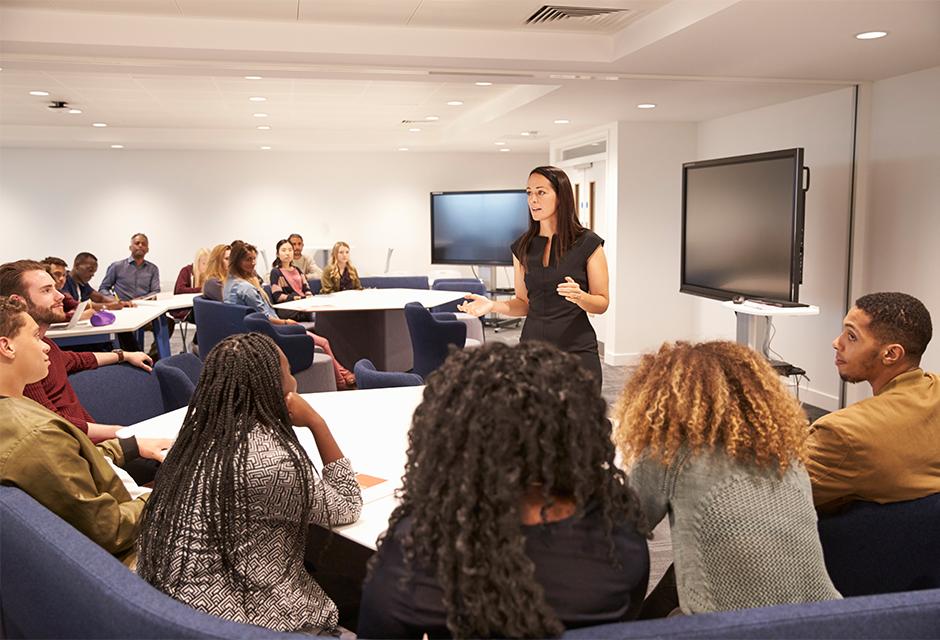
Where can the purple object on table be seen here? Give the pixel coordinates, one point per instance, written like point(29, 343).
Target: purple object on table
point(102, 318)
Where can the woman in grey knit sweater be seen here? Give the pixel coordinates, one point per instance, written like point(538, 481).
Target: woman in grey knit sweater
point(715, 441)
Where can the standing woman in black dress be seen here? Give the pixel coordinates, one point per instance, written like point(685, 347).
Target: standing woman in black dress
point(560, 273)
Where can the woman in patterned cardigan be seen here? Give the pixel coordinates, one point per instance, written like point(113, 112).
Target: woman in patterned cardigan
point(225, 529)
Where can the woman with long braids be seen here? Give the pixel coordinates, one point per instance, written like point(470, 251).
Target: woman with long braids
point(514, 520)
point(226, 527)
point(717, 443)
point(560, 273)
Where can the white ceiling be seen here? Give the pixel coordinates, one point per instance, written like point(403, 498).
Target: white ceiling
point(344, 74)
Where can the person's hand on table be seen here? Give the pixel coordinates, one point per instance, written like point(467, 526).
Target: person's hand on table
point(570, 290)
point(476, 305)
point(154, 448)
point(88, 312)
point(139, 359)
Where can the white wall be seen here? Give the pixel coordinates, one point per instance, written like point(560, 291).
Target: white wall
point(823, 126)
point(903, 244)
point(62, 201)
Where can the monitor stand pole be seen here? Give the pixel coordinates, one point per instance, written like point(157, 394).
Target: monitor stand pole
point(754, 332)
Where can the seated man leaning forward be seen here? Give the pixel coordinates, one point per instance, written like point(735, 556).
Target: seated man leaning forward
point(29, 282)
point(55, 462)
point(885, 448)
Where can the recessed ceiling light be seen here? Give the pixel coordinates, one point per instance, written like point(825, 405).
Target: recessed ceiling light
point(483, 84)
point(611, 77)
point(265, 148)
point(99, 124)
point(257, 98)
point(525, 133)
point(260, 115)
point(264, 127)
point(252, 77)
point(871, 35)
point(432, 118)
point(414, 129)
point(117, 146)
point(38, 93)
point(562, 121)
point(500, 144)
point(646, 105)
point(403, 148)
point(505, 149)
point(452, 103)
point(75, 111)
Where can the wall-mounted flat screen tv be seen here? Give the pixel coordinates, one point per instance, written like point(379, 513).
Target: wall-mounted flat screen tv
point(742, 226)
point(477, 227)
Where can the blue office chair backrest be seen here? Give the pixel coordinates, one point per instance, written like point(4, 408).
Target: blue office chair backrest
point(315, 285)
point(178, 376)
point(472, 285)
point(368, 377)
point(431, 338)
point(119, 393)
point(883, 548)
point(395, 282)
point(216, 321)
point(57, 583)
point(292, 339)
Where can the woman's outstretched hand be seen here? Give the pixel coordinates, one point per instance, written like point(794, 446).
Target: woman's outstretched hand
point(476, 305)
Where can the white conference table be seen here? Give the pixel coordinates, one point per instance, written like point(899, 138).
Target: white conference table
point(130, 319)
point(370, 426)
point(369, 323)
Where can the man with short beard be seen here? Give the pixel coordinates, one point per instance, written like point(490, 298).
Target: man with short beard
point(29, 282)
point(885, 448)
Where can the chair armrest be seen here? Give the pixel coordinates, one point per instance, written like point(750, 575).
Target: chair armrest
point(289, 329)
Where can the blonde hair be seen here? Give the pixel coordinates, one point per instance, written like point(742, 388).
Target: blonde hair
point(708, 396)
point(216, 269)
point(332, 269)
point(199, 277)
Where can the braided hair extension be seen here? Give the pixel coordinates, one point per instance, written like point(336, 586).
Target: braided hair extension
point(495, 422)
point(240, 389)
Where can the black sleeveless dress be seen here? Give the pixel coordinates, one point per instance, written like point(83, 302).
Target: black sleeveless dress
point(551, 318)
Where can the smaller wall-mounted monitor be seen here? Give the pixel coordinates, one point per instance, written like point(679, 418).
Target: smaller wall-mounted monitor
point(742, 226)
point(477, 227)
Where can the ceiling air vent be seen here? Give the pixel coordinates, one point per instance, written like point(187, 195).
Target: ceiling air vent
point(584, 16)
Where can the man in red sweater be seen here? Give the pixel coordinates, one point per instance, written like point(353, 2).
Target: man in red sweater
point(30, 282)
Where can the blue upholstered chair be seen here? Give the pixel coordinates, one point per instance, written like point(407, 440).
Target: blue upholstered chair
point(431, 337)
point(395, 282)
point(178, 376)
point(216, 321)
point(119, 394)
point(882, 548)
point(367, 377)
point(312, 369)
point(315, 285)
point(473, 285)
point(57, 583)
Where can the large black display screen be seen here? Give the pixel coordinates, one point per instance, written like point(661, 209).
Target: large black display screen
point(476, 227)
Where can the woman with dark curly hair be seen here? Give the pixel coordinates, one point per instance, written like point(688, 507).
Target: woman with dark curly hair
point(514, 520)
point(717, 442)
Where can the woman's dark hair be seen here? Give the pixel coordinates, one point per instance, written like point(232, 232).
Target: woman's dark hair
point(494, 423)
point(277, 248)
point(239, 251)
point(566, 213)
point(240, 389)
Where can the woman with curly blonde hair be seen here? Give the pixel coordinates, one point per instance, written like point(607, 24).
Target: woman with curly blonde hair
point(339, 274)
point(715, 440)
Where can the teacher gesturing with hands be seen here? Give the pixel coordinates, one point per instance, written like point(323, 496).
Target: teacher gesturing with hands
point(560, 273)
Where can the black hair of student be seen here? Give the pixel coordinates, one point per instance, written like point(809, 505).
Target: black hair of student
point(898, 317)
point(569, 228)
point(240, 389)
point(277, 247)
point(82, 256)
point(52, 260)
point(295, 235)
point(239, 250)
point(493, 423)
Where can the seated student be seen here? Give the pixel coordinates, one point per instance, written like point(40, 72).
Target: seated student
point(885, 448)
point(287, 281)
point(514, 520)
point(52, 460)
point(216, 272)
point(58, 269)
point(339, 274)
point(305, 263)
point(715, 442)
point(192, 276)
point(29, 282)
point(133, 277)
point(242, 287)
point(77, 284)
point(225, 530)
